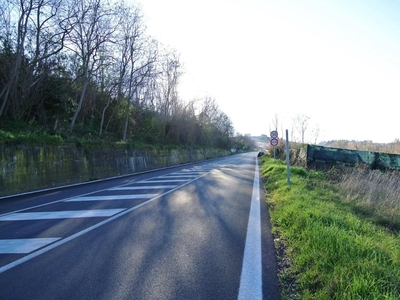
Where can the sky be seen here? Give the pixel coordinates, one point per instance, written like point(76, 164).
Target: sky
point(334, 61)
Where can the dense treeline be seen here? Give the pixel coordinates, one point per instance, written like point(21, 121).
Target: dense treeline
point(88, 66)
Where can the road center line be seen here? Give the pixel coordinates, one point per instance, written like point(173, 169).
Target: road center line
point(251, 277)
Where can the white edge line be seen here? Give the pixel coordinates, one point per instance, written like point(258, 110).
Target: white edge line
point(78, 234)
point(251, 277)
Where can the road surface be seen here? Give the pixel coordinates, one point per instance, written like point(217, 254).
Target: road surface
point(196, 231)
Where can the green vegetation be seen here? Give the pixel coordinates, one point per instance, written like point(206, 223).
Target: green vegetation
point(373, 193)
point(59, 84)
point(331, 243)
point(20, 133)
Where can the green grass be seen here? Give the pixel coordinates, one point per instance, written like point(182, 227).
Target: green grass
point(30, 138)
point(20, 133)
point(326, 249)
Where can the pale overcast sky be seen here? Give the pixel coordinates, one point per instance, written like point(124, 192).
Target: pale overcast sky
point(336, 61)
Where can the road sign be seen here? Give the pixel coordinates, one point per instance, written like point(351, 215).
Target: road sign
point(274, 142)
point(274, 134)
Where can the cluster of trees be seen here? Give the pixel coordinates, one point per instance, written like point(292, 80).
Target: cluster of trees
point(72, 65)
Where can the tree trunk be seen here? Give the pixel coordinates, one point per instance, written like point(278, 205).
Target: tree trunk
point(81, 99)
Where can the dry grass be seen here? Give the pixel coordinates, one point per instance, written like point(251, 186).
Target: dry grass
point(375, 193)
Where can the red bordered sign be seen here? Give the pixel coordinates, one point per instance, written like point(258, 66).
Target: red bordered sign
point(274, 142)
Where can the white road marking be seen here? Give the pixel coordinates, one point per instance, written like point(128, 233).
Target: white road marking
point(186, 172)
point(80, 233)
point(142, 187)
point(109, 198)
point(49, 215)
point(161, 181)
point(251, 277)
point(21, 246)
point(179, 176)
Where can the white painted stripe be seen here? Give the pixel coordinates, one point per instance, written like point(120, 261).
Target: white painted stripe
point(161, 181)
point(251, 277)
point(48, 215)
point(78, 234)
point(20, 246)
point(190, 174)
point(179, 176)
point(142, 187)
point(112, 197)
point(198, 172)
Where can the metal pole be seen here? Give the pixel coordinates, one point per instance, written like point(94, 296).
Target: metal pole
point(287, 157)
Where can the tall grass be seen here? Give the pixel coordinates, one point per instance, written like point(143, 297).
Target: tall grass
point(330, 250)
point(374, 193)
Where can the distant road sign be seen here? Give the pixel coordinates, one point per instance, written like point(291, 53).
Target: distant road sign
point(274, 142)
point(274, 134)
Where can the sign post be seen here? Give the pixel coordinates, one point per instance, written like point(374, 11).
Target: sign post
point(287, 158)
point(274, 140)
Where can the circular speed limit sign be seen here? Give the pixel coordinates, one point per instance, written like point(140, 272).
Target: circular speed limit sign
point(274, 142)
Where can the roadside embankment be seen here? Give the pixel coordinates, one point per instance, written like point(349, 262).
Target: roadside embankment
point(329, 242)
point(28, 168)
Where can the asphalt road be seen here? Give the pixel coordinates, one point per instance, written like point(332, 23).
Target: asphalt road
point(196, 231)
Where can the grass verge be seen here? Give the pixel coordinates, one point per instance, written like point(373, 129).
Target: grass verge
point(326, 250)
point(374, 193)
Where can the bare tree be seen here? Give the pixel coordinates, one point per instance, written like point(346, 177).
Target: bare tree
point(6, 11)
point(8, 62)
point(91, 22)
point(24, 11)
point(301, 123)
point(276, 122)
point(49, 29)
point(141, 60)
point(39, 35)
point(167, 102)
point(134, 56)
point(316, 132)
point(169, 79)
point(216, 126)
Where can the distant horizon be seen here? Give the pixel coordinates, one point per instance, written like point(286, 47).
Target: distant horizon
point(323, 141)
